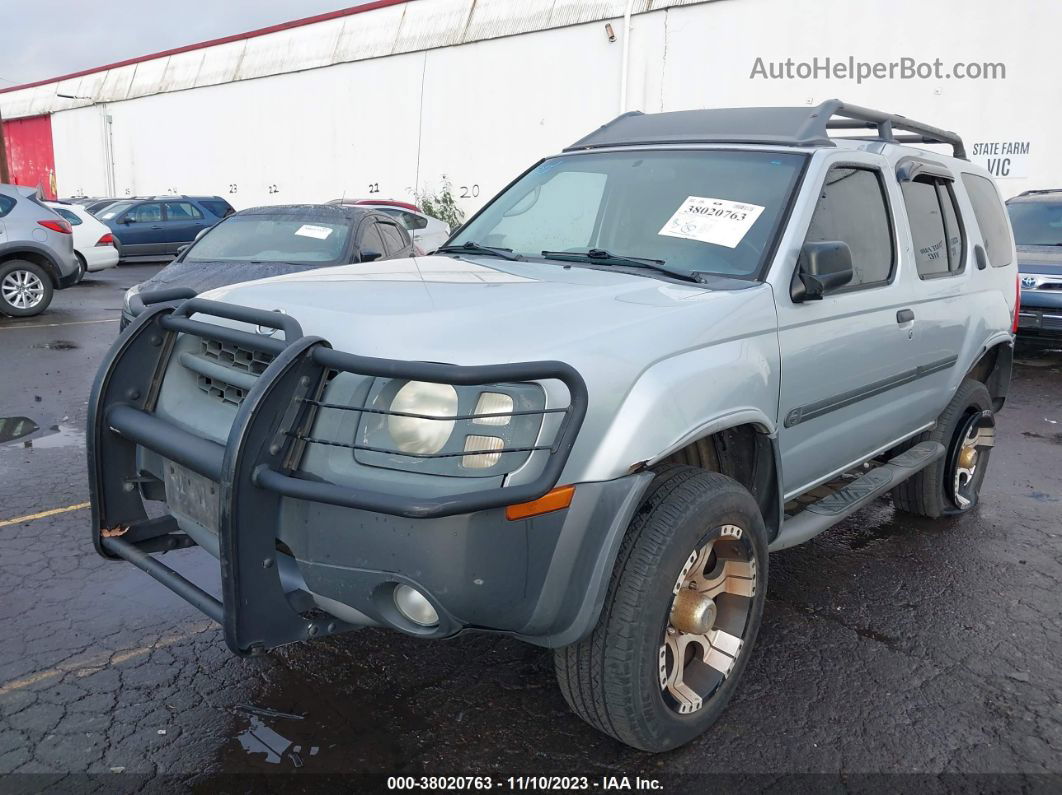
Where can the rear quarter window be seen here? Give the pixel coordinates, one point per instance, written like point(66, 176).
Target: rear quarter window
point(7, 204)
point(988, 210)
point(218, 208)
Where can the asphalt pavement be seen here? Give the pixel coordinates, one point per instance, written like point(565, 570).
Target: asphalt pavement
point(907, 652)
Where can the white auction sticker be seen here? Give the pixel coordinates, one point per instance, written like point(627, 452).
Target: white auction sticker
point(719, 221)
point(311, 230)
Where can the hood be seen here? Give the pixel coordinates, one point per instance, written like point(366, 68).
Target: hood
point(203, 276)
point(1040, 259)
point(479, 310)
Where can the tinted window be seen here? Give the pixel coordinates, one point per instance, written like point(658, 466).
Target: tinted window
point(145, 213)
point(69, 216)
point(182, 211)
point(935, 230)
point(394, 239)
point(706, 211)
point(7, 204)
point(852, 209)
point(1036, 223)
point(990, 218)
point(273, 238)
point(218, 207)
point(410, 221)
point(371, 240)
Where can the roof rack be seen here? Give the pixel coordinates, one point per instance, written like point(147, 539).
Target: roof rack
point(778, 126)
point(1039, 191)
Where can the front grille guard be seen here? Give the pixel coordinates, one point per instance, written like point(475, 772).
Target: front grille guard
point(258, 465)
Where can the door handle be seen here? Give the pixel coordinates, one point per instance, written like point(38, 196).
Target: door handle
point(904, 316)
point(156, 227)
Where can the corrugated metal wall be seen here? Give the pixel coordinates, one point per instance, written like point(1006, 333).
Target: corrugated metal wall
point(30, 156)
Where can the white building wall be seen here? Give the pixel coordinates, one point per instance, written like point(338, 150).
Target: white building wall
point(481, 112)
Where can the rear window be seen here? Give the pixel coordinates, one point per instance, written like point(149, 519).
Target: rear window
point(69, 216)
point(7, 204)
point(995, 228)
point(300, 240)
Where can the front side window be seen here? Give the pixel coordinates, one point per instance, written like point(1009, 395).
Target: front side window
point(703, 211)
point(852, 208)
point(935, 229)
point(990, 218)
point(272, 238)
point(1036, 223)
point(145, 213)
point(182, 211)
point(394, 240)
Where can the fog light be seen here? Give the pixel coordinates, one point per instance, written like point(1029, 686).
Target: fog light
point(414, 605)
point(482, 447)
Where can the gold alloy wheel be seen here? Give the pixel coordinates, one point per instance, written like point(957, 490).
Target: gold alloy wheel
point(710, 609)
point(974, 443)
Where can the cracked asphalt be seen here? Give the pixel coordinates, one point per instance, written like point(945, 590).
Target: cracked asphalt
point(890, 645)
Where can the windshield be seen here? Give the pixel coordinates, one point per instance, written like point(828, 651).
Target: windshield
point(700, 211)
point(273, 238)
point(1036, 223)
point(114, 210)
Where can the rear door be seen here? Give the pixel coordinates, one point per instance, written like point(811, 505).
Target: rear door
point(182, 222)
point(848, 359)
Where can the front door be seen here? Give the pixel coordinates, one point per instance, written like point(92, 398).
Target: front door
point(846, 359)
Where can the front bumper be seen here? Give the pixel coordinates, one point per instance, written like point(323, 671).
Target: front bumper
point(1035, 323)
point(292, 549)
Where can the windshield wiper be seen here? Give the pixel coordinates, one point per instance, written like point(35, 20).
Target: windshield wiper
point(475, 248)
point(602, 257)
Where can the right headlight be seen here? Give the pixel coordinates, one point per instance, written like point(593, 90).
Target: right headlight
point(129, 295)
point(441, 429)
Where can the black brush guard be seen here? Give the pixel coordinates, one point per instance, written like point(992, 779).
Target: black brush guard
point(258, 466)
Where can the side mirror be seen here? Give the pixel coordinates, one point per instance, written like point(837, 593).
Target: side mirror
point(182, 249)
point(125, 220)
point(821, 267)
point(368, 255)
point(201, 233)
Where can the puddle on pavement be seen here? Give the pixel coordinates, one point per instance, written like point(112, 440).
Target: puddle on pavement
point(13, 429)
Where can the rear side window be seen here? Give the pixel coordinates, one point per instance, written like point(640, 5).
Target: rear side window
point(220, 208)
point(182, 211)
point(7, 204)
point(852, 208)
point(935, 229)
point(69, 216)
point(988, 211)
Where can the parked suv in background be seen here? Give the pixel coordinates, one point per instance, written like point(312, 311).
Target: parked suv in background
point(154, 228)
point(36, 252)
point(1036, 217)
point(586, 420)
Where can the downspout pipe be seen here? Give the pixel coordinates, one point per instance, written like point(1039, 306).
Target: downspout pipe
point(625, 62)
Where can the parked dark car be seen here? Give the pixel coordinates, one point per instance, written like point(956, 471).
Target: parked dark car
point(155, 227)
point(1036, 217)
point(269, 241)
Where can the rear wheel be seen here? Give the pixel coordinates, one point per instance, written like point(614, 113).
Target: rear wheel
point(952, 485)
point(682, 612)
point(82, 267)
point(25, 288)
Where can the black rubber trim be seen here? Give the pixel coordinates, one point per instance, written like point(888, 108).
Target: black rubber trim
point(817, 409)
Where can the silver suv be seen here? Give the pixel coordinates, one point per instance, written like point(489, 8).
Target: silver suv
point(36, 252)
point(687, 340)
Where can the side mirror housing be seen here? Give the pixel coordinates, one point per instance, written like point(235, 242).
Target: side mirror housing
point(368, 255)
point(821, 267)
point(182, 249)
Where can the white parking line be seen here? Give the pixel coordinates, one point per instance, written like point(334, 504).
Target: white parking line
point(53, 325)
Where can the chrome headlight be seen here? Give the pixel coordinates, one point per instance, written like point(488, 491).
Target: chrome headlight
point(129, 295)
point(440, 429)
point(418, 434)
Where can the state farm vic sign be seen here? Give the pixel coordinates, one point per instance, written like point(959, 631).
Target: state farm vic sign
point(1003, 159)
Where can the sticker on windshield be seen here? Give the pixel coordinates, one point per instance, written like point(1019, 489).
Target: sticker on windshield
point(311, 230)
point(717, 221)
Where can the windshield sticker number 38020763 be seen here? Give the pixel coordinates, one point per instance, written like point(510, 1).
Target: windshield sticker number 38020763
point(719, 221)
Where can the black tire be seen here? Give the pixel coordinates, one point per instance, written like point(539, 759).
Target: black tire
point(614, 678)
point(930, 493)
point(82, 268)
point(15, 271)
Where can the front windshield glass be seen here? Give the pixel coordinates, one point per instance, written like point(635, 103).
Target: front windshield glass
point(705, 211)
point(1036, 223)
point(273, 238)
point(112, 211)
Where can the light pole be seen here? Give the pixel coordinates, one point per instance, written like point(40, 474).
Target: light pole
point(5, 176)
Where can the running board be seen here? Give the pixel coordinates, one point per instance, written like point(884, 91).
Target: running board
point(863, 490)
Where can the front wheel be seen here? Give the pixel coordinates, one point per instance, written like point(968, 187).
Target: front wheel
point(680, 618)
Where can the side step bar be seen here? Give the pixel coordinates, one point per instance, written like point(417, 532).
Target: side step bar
point(841, 504)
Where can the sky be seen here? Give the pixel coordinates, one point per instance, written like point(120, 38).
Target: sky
point(40, 39)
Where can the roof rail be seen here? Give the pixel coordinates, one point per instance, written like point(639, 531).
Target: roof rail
point(785, 126)
point(1039, 191)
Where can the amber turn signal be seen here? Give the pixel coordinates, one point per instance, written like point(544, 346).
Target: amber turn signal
point(559, 498)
